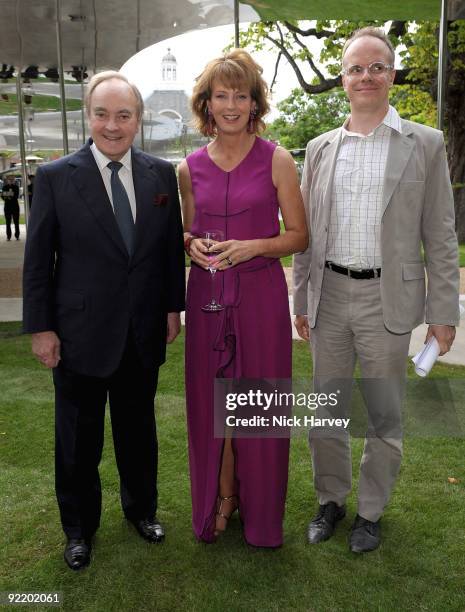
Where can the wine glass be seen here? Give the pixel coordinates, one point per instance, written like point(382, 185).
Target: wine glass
point(209, 239)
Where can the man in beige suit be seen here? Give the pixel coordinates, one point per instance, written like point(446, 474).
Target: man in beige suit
point(375, 191)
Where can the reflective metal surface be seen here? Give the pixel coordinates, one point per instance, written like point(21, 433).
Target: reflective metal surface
point(102, 34)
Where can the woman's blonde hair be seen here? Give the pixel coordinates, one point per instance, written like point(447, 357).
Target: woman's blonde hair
point(235, 70)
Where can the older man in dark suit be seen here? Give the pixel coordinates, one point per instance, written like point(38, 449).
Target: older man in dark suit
point(103, 289)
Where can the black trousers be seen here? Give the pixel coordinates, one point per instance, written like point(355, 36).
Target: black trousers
point(11, 214)
point(79, 432)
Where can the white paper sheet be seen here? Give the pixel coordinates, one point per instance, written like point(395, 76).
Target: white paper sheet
point(424, 360)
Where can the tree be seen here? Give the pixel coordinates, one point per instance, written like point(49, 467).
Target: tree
point(303, 118)
point(416, 82)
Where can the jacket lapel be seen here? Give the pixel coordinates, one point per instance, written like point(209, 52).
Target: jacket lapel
point(400, 150)
point(328, 161)
point(146, 183)
point(86, 176)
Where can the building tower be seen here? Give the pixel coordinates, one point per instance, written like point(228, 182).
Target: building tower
point(168, 67)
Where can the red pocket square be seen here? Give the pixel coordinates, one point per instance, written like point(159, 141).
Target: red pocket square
point(161, 199)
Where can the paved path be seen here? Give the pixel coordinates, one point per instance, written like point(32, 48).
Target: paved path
point(11, 257)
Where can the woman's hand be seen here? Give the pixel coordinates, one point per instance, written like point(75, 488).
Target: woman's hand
point(197, 252)
point(233, 252)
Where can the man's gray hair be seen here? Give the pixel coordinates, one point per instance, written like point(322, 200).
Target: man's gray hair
point(106, 75)
point(375, 33)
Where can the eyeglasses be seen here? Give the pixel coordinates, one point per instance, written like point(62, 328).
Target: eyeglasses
point(375, 68)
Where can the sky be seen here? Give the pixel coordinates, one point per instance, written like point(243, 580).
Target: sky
point(193, 50)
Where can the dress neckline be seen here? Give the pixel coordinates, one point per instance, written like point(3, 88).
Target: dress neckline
point(238, 164)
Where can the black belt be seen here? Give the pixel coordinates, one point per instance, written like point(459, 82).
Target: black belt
point(358, 274)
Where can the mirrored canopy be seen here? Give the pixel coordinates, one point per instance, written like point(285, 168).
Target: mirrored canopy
point(101, 34)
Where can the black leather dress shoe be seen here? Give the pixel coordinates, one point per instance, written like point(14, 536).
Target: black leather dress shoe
point(77, 553)
point(365, 535)
point(322, 526)
point(150, 530)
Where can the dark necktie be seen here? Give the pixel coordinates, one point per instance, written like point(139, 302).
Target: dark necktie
point(122, 207)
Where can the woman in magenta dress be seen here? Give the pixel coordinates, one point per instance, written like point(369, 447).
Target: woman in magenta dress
point(237, 184)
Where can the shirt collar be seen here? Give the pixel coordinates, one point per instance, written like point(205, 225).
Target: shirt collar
point(103, 161)
point(391, 120)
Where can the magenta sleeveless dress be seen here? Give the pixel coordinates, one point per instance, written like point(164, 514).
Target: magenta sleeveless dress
point(251, 338)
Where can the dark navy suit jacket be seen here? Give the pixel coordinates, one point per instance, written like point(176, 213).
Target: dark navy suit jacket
point(78, 278)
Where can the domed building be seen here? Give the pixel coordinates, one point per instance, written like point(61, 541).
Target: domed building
point(168, 67)
point(168, 107)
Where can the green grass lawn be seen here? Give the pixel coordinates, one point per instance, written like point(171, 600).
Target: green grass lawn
point(21, 219)
point(462, 255)
point(40, 103)
point(420, 565)
point(285, 261)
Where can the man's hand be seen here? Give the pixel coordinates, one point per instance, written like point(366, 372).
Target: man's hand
point(302, 327)
point(444, 334)
point(174, 326)
point(46, 347)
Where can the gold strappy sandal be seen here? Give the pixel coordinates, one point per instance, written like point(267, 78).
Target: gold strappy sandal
point(232, 499)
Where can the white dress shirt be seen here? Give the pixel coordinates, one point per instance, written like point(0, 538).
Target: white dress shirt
point(357, 196)
point(125, 175)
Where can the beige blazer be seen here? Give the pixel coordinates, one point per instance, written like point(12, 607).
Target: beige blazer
point(418, 210)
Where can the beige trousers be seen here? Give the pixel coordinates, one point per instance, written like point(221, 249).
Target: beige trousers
point(350, 326)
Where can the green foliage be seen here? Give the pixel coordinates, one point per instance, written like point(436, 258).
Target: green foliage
point(303, 117)
point(255, 37)
point(258, 37)
point(421, 54)
point(417, 47)
point(414, 103)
